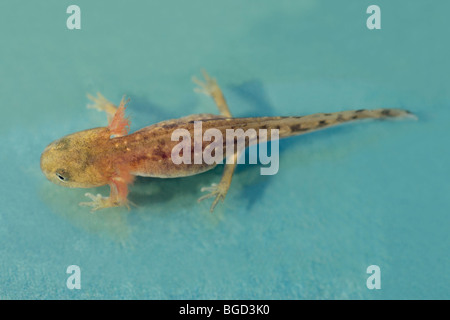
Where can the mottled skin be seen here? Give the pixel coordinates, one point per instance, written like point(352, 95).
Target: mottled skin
point(111, 156)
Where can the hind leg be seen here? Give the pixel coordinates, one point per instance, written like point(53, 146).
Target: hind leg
point(211, 88)
point(220, 190)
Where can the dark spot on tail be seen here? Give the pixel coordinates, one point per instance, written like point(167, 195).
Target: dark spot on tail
point(386, 112)
point(322, 123)
point(360, 110)
point(298, 128)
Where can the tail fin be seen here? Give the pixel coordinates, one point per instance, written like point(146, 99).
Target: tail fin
point(297, 125)
point(290, 126)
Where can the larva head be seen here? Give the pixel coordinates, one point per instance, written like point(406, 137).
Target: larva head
point(71, 160)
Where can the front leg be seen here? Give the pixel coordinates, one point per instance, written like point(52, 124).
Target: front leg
point(102, 104)
point(117, 198)
point(118, 124)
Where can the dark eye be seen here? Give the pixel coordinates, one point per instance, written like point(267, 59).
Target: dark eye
point(62, 174)
point(60, 177)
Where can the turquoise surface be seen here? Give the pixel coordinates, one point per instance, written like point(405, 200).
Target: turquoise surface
point(372, 193)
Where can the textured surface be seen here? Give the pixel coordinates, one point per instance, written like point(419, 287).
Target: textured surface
point(345, 198)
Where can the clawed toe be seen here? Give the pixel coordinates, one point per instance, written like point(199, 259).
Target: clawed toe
point(100, 103)
point(214, 191)
point(208, 86)
point(98, 202)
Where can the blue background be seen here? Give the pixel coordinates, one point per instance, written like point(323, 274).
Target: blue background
point(343, 199)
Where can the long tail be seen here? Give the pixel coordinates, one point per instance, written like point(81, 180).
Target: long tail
point(325, 120)
point(290, 126)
